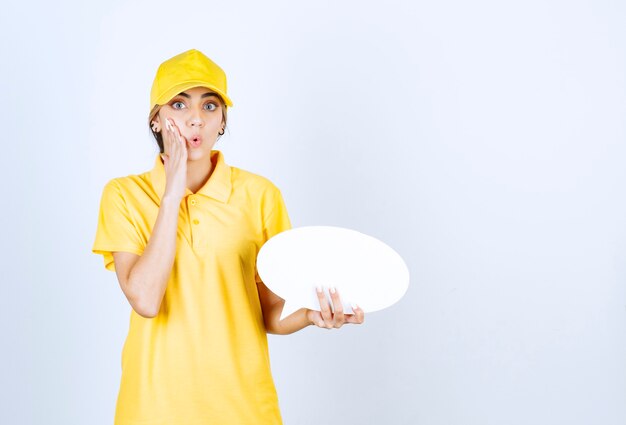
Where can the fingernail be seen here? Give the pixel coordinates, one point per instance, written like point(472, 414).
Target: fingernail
point(319, 288)
point(354, 306)
point(332, 289)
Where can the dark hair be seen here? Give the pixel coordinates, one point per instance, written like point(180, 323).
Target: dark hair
point(159, 137)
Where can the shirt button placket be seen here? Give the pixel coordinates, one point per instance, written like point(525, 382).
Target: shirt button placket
point(196, 232)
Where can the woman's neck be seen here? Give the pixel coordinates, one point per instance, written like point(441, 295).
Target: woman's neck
point(198, 173)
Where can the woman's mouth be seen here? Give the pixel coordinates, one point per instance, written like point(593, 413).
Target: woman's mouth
point(194, 141)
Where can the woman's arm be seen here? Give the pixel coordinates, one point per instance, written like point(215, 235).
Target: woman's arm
point(144, 280)
point(272, 306)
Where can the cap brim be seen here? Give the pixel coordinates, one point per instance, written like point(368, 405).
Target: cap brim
point(181, 87)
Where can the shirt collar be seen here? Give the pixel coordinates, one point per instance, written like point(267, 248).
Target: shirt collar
point(218, 186)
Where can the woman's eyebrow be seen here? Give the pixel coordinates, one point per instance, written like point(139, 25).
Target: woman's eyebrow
point(204, 95)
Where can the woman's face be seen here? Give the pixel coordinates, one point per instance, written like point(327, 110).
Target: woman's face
point(197, 112)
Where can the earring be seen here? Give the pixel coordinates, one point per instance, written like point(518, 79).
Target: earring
point(155, 127)
point(221, 133)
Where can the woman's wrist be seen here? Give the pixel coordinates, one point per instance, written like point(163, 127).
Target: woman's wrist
point(300, 319)
point(309, 316)
point(169, 199)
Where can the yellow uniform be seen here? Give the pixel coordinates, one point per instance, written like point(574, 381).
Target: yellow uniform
point(204, 358)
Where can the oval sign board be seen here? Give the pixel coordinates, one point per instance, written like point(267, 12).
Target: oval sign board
point(364, 270)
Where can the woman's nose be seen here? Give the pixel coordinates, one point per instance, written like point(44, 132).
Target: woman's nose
point(195, 120)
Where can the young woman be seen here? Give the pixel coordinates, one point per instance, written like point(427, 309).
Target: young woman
point(183, 239)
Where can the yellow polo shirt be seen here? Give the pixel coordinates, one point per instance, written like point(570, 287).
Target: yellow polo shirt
point(204, 358)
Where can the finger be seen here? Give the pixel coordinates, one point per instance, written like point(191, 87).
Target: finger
point(359, 314)
point(327, 314)
point(353, 318)
point(182, 142)
point(168, 126)
point(177, 133)
point(168, 137)
point(175, 143)
point(166, 148)
point(338, 316)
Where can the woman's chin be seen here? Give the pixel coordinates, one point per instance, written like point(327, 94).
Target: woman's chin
point(196, 154)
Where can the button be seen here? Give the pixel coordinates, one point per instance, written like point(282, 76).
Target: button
point(196, 221)
point(193, 202)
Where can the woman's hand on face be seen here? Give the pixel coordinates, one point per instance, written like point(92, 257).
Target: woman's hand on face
point(174, 160)
point(325, 318)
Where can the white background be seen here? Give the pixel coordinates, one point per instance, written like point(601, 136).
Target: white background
point(484, 141)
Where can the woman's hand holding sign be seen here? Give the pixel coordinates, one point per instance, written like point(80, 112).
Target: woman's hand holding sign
point(333, 318)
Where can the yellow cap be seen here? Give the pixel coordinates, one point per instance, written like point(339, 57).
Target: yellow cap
point(184, 71)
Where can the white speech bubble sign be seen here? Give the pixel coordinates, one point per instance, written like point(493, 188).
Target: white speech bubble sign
point(364, 270)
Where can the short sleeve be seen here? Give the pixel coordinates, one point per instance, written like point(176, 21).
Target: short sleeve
point(115, 231)
point(277, 219)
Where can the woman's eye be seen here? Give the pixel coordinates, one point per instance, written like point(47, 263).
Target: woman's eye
point(179, 105)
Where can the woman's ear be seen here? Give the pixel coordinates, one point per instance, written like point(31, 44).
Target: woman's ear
point(156, 125)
